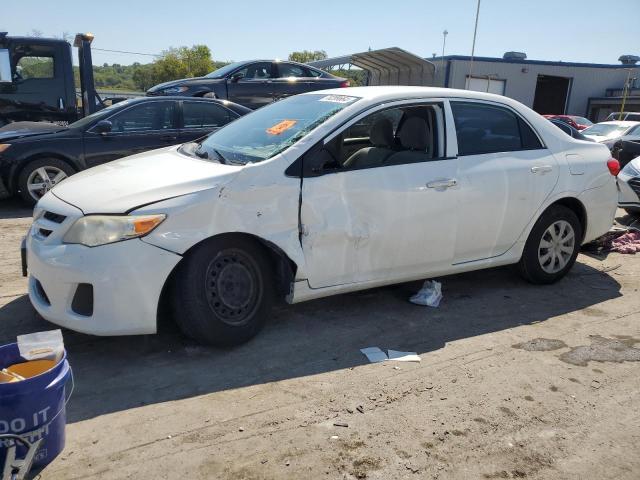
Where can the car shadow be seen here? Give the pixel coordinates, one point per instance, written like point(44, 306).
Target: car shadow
point(14, 208)
point(118, 373)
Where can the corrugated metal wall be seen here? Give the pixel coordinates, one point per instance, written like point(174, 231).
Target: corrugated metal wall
point(521, 80)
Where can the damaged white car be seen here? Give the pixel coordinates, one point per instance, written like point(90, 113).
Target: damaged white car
point(316, 195)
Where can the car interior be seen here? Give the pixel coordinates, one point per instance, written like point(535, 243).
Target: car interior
point(391, 137)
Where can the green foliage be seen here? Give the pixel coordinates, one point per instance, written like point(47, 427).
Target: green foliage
point(305, 56)
point(357, 77)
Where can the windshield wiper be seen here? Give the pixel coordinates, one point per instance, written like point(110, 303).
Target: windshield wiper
point(220, 156)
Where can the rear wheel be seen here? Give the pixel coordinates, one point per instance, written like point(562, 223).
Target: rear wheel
point(223, 291)
point(40, 176)
point(552, 246)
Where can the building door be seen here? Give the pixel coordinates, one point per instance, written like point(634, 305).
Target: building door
point(552, 95)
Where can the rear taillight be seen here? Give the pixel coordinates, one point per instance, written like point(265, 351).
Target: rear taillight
point(346, 83)
point(614, 166)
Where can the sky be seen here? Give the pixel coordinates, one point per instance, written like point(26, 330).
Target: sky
point(579, 31)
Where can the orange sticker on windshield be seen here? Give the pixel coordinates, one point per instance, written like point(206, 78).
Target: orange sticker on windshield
point(280, 127)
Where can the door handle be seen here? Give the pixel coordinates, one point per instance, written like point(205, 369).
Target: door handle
point(449, 182)
point(541, 169)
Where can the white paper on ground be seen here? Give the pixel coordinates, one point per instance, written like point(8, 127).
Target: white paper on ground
point(403, 356)
point(429, 295)
point(374, 354)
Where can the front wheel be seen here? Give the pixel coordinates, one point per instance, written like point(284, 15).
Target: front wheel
point(552, 246)
point(40, 176)
point(223, 291)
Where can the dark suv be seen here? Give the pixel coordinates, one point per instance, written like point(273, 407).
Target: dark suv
point(253, 83)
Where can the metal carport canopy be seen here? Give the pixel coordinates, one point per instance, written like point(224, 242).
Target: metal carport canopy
point(388, 66)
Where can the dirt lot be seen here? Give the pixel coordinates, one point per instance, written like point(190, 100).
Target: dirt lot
point(516, 381)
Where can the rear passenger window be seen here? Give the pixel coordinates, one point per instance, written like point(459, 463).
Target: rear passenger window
point(203, 115)
point(483, 128)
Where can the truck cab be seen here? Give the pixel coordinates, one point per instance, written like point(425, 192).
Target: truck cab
point(37, 81)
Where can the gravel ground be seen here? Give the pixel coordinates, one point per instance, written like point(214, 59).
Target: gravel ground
point(516, 381)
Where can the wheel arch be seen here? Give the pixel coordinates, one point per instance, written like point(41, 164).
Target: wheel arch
point(13, 178)
point(577, 207)
point(284, 267)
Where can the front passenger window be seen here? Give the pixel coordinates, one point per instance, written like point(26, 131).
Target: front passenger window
point(390, 137)
point(145, 118)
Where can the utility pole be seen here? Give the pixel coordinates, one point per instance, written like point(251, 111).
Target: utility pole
point(473, 46)
point(444, 42)
point(625, 93)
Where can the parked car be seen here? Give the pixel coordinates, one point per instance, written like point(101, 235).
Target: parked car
point(579, 123)
point(253, 83)
point(626, 149)
point(569, 130)
point(629, 187)
point(608, 133)
point(36, 156)
point(286, 202)
point(628, 116)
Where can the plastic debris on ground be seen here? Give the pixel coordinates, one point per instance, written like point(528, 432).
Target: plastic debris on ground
point(374, 354)
point(429, 295)
point(403, 356)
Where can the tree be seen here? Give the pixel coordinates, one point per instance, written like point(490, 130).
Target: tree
point(183, 62)
point(307, 56)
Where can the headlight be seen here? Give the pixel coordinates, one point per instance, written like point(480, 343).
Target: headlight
point(631, 170)
point(94, 230)
point(4, 146)
point(173, 90)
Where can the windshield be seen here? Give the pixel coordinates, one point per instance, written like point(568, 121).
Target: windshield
point(605, 130)
point(105, 112)
point(270, 130)
point(224, 71)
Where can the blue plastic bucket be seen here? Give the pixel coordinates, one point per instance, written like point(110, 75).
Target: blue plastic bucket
point(34, 408)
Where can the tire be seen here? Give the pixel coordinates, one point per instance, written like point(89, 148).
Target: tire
point(30, 175)
point(542, 265)
point(634, 212)
point(223, 291)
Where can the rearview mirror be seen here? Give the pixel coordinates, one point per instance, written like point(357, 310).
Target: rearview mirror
point(103, 127)
point(236, 76)
point(5, 66)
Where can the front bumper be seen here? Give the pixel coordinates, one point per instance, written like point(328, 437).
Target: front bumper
point(629, 190)
point(126, 281)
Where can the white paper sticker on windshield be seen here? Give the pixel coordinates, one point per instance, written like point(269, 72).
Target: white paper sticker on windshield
point(337, 99)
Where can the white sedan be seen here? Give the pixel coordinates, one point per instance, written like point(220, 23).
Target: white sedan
point(316, 195)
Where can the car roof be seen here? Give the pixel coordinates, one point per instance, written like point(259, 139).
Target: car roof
point(392, 92)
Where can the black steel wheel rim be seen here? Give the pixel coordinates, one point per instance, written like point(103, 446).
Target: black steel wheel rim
point(233, 287)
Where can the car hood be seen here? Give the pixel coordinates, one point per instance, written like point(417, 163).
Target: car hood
point(596, 138)
point(184, 81)
point(28, 129)
point(123, 185)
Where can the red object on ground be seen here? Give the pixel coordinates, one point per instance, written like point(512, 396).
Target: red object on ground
point(627, 243)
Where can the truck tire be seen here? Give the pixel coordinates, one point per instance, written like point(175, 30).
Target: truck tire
point(223, 291)
point(39, 176)
point(552, 246)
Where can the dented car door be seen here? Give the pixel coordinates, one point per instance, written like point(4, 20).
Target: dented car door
point(370, 220)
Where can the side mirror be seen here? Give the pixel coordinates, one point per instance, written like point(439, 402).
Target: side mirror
point(103, 127)
point(236, 76)
point(318, 162)
point(5, 66)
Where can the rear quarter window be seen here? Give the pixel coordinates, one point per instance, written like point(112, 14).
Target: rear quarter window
point(483, 128)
